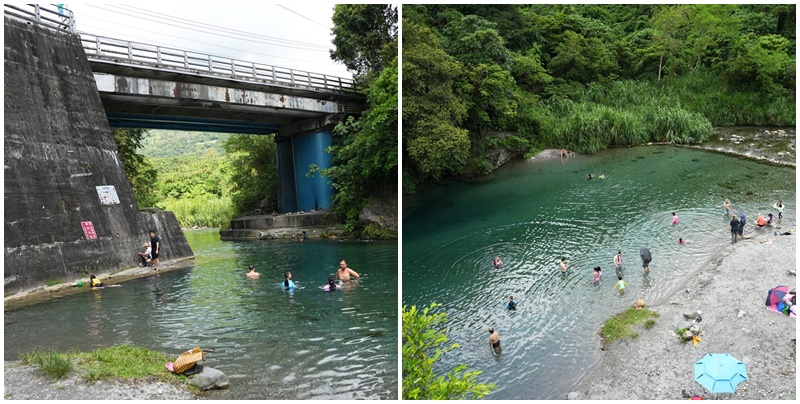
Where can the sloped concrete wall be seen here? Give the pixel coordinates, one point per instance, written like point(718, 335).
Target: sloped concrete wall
point(58, 149)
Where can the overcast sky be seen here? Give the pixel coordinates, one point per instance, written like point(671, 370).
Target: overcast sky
point(295, 35)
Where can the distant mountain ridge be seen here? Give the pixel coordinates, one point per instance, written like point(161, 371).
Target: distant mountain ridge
point(172, 143)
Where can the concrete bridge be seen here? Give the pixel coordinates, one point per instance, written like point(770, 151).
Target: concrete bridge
point(69, 208)
point(156, 87)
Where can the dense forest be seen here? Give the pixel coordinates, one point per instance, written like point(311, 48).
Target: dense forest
point(520, 78)
point(207, 179)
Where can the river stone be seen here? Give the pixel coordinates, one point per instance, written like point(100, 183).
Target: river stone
point(687, 335)
point(382, 214)
point(695, 329)
point(209, 378)
point(574, 396)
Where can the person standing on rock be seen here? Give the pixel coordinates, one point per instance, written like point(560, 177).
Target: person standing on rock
point(734, 228)
point(344, 273)
point(155, 249)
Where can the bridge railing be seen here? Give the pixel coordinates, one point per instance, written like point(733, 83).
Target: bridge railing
point(48, 14)
point(195, 62)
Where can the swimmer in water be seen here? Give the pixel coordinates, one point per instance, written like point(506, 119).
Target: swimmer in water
point(621, 284)
point(497, 263)
point(727, 207)
point(769, 221)
point(511, 305)
point(619, 263)
point(253, 274)
point(344, 273)
point(287, 283)
point(564, 267)
point(331, 286)
point(674, 218)
point(681, 241)
point(564, 153)
point(494, 341)
point(602, 175)
point(589, 176)
point(597, 274)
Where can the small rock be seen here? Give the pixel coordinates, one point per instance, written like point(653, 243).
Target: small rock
point(687, 335)
point(695, 329)
point(741, 313)
point(573, 395)
point(160, 392)
point(209, 378)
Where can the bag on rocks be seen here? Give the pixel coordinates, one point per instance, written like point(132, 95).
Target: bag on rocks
point(188, 359)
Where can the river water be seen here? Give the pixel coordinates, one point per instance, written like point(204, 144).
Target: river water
point(305, 344)
point(532, 213)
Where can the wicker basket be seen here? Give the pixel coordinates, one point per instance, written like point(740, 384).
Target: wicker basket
point(187, 359)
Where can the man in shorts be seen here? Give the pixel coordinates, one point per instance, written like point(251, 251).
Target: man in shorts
point(155, 249)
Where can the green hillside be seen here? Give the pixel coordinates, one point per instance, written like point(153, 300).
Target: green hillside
point(174, 143)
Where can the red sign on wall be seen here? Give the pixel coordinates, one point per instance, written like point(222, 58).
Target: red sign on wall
point(88, 230)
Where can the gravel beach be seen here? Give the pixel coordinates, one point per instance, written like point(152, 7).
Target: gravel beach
point(730, 292)
point(22, 382)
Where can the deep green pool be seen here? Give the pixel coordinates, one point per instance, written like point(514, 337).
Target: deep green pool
point(307, 344)
point(533, 212)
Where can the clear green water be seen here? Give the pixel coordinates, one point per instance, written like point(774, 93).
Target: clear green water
point(272, 344)
point(531, 213)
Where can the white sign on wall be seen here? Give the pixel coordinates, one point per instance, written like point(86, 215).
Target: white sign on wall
point(108, 195)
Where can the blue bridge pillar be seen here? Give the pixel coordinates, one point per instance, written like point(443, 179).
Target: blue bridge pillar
point(300, 147)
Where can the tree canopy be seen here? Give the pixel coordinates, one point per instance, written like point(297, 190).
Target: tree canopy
point(585, 77)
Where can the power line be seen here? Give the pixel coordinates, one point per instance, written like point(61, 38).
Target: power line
point(203, 24)
point(301, 15)
point(215, 33)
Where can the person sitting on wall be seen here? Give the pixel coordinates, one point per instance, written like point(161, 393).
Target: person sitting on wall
point(95, 283)
point(145, 257)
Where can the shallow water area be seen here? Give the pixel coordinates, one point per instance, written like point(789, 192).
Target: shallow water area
point(534, 212)
point(272, 343)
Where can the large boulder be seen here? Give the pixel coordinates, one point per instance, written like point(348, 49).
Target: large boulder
point(209, 378)
point(378, 220)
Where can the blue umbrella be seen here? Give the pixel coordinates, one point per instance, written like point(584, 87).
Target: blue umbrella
point(719, 373)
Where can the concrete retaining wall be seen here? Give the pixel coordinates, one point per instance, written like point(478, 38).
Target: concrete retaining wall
point(58, 149)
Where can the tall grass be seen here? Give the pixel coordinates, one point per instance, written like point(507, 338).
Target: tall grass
point(706, 93)
point(202, 211)
point(51, 363)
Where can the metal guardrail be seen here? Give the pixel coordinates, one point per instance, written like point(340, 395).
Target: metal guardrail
point(54, 15)
point(118, 50)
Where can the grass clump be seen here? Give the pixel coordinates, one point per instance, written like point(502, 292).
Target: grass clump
point(53, 364)
point(620, 326)
point(650, 323)
point(124, 362)
point(119, 362)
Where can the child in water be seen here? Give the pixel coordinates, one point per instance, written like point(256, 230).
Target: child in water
point(681, 241)
point(621, 284)
point(331, 286)
point(287, 283)
point(597, 274)
point(511, 305)
point(674, 218)
point(497, 263)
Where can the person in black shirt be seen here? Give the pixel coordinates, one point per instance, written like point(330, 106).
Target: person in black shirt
point(155, 249)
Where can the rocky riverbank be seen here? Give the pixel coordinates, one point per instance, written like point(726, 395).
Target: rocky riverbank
point(730, 291)
point(22, 382)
